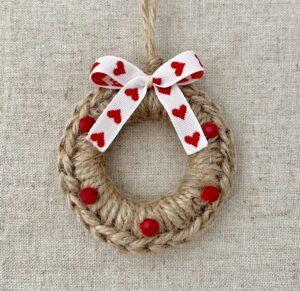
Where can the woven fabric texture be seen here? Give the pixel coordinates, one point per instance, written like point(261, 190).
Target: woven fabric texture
point(250, 50)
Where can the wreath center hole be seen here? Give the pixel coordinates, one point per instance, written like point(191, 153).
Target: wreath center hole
point(146, 161)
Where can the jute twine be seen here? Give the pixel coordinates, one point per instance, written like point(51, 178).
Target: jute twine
point(115, 218)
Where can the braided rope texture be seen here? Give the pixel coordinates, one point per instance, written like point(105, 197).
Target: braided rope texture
point(115, 218)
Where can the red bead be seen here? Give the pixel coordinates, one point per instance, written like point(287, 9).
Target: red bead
point(210, 129)
point(149, 227)
point(210, 194)
point(88, 195)
point(86, 123)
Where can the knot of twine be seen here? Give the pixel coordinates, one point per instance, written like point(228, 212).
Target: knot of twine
point(150, 82)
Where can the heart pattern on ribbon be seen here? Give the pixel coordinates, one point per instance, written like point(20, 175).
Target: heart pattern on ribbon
point(120, 68)
point(116, 73)
point(98, 138)
point(178, 68)
point(133, 93)
point(180, 112)
point(98, 78)
point(193, 139)
point(115, 115)
point(166, 91)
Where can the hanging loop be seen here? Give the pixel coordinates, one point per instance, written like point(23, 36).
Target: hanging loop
point(153, 61)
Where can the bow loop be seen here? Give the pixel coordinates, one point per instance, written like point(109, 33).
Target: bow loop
point(116, 73)
point(183, 69)
point(113, 72)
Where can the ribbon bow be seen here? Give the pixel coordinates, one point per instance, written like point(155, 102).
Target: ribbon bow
point(116, 73)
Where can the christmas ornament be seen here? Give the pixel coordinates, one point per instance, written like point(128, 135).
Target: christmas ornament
point(127, 94)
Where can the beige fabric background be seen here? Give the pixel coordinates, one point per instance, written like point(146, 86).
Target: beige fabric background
point(251, 53)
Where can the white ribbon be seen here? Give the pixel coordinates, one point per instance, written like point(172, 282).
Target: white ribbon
point(116, 73)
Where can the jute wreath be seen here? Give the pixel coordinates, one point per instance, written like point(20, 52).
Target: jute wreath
point(126, 94)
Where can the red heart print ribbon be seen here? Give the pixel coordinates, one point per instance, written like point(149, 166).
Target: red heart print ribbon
point(116, 73)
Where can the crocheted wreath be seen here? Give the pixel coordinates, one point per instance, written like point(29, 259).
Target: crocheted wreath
point(175, 217)
point(127, 95)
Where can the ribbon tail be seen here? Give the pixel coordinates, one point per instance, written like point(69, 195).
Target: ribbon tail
point(118, 111)
point(183, 118)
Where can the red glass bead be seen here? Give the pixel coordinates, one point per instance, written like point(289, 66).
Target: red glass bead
point(88, 195)
point(86, 123)
point(210, 194)
point(149, 227)
point(210, 129)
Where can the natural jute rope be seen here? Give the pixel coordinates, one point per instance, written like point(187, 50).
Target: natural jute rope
point(115, 218)
point(149, 15)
